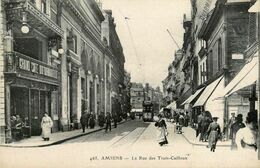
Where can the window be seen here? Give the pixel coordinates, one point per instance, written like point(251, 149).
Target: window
point(43, 6)
point(219, 54)
point(54, 16)
point(203, 71)
point(201, 76)
point(83, 88)
point(72, 41)
point(210, 64)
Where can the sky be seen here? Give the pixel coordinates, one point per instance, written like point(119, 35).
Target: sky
point(147, 46)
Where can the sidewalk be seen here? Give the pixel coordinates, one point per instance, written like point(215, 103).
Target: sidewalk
point(190, 135)
point(55, 138)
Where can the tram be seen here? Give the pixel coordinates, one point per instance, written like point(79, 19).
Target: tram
point(148, 111)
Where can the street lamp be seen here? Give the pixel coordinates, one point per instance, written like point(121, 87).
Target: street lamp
point(61, 51)
point(25, 29)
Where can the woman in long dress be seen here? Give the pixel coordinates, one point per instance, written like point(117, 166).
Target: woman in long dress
point(162, 127)
point(214, 132)
point(46, 125)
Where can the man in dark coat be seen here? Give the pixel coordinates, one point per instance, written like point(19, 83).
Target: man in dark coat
point(84, 121)
point(108, 122)
point(199, 119)
point(115, 120)
point(234, 128)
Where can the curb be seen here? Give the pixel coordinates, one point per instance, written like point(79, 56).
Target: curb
point(59, 141)
point(197, 144)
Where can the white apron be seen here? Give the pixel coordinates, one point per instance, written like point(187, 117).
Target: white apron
point(46, 125)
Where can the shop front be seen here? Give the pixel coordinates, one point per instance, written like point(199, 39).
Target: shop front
point(30, 92)
point(206, 102)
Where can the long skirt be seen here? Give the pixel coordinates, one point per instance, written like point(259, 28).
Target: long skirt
point(161, 135)
point(213, 138)
point(203, 135)
point(46, 131)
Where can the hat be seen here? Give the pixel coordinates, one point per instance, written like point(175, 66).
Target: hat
point(251, 117)
point(240, 116)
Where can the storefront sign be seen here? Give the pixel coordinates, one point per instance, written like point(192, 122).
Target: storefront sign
point(24, 64)
point(36, 68)
point(206, 9)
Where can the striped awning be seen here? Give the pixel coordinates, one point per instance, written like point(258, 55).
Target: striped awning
point(193, 96)
point(207, 93)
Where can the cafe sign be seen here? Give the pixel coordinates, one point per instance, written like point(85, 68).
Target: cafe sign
point(36, 68)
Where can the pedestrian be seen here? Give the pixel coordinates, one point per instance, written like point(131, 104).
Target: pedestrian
point(231, 121)
point(246, 138)
point(199, 122)
point(84, 121)
point(91, 121)
point(214, 133)
point(162, 128)
point(101, 119)
point(46, 125)
point(186, 119)
point(115, 120)
point(206, 120)
point(234, 128)
point(108, 122)
point(180, 123)
point(88, 116)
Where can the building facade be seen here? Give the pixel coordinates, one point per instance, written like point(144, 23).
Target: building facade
point(59, 58)
point(137, 97)
point(31, 65)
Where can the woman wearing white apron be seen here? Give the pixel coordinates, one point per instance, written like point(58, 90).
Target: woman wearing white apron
point(162, 127)
point(46, 125)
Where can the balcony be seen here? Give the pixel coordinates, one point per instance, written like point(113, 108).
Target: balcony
point(35, 18)
point(26, 67)
point(73, 57)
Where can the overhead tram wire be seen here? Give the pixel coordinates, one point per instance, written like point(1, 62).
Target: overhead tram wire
point(173, 39)
point(140, 67)
point(132, 39)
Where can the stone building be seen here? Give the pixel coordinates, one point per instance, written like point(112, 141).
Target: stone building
point(127, 93)
point(57, 57)
point(114, 63)
point(82, 64)
point(137, 97)
point(31, 61)
point(219, 47)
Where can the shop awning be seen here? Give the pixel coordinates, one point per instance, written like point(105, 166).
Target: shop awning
point(247, 76)
point(193, 96)
point(207, 93)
